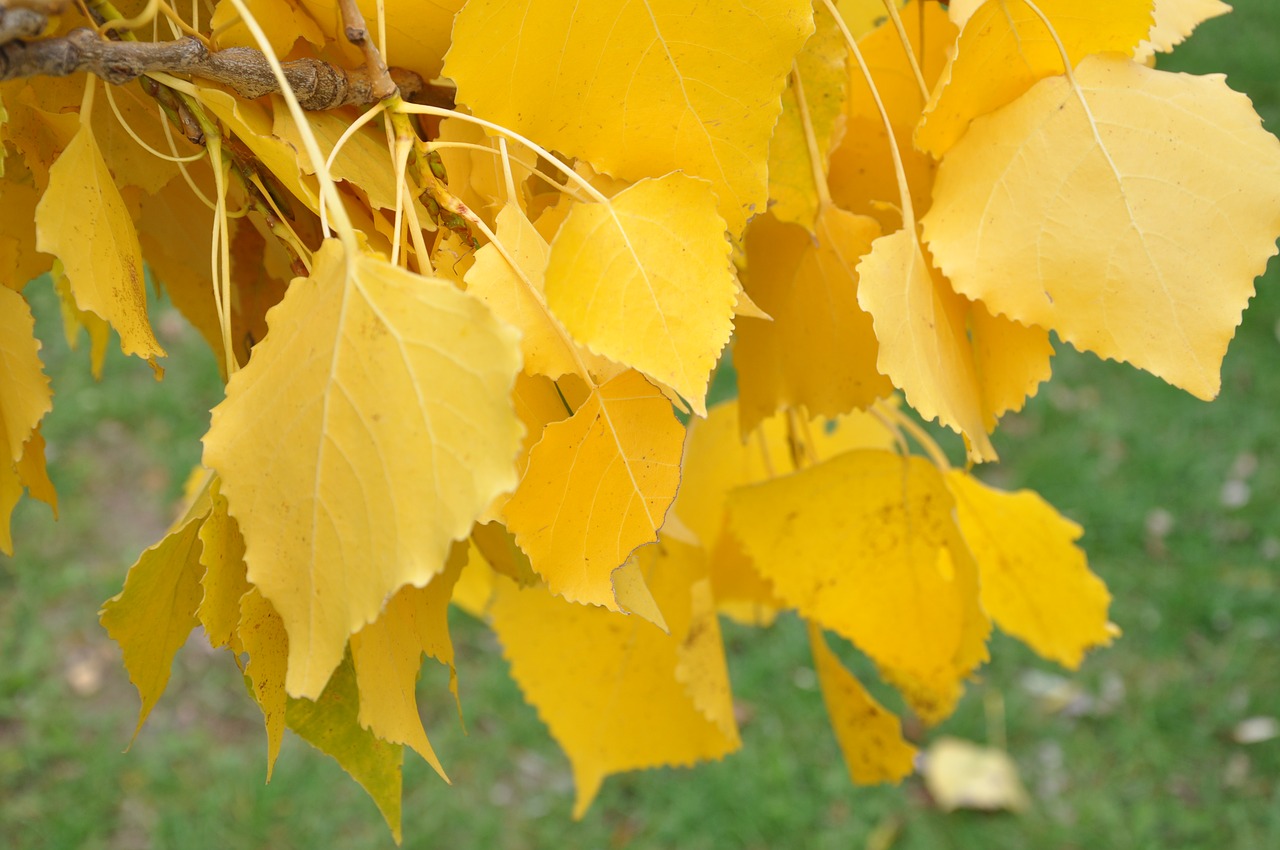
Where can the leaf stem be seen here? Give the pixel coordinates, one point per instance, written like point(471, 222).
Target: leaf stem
point(904, 190)
point(811, 140)
point(425, 109)
point(892, 7)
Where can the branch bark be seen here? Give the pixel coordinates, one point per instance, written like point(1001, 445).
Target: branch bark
point(318, 84)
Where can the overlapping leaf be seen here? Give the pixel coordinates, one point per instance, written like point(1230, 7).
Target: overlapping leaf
point(645, 280)
point(370, 429)
point(82, 220)
point(1131, 217)
point(617, 693)
point(1005, 48)
point(864, 544)
point(597, 487)
point(639, 89)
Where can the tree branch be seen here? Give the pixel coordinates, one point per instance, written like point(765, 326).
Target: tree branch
point(318, 84)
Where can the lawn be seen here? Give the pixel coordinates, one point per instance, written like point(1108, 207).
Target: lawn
point(1180, 500)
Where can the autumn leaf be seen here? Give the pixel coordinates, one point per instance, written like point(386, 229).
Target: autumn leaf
point(924, 344)
point(1005, 48)
point(387, 655)
point(645, 279)
point(223, 580)
point(1174, 21)
point(597, 487)
point(330, 725)
point(370, 429)
point(25, 395)
point(801, 147)
point(637, 89)
point(152, 616)
point(83, 221)
point(870, 737)
point(864, 544)
point(819, 350)
point(1131, 218)
point(1035, 581)
point(616, 692)
point(261, 633)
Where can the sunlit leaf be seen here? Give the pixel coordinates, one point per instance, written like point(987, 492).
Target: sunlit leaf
point(369, 430)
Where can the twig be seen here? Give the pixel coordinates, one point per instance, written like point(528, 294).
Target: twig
point(317, 84)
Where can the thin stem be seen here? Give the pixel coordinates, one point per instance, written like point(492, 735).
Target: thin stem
point(425, 109)
point(922, 438)
point(904, 191)
point(811, 139)
point(327, 187)
point(892, 7)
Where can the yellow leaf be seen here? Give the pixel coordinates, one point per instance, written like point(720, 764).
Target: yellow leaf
point(819, 352)
point(1005, 48)
point(1132, 220)
point(598, 486)
point(475, 175)
point(1010, 359)
point(924, 345)
point(637, 89)
point(82, 220)
point(1036, 583)
point(1174, 21)
point(515, 294)
point(962, 775)
point(20, 262)
point(152, 616)
point(417, 31)
point(862, 178)
point(261, 633)
point(474, 589)
point(646, 280)
point(387, 655)
point(869, 736)
point(864, 544)
point(368, 431)
point(25, 395)
point(821, 74)
point(330, 725)
point(222, 557)
point(611, 688)
point(363, 160)
point(10, 493)
point(34, 475)
point(251, 122)
point(75, 320)
point(282, 21)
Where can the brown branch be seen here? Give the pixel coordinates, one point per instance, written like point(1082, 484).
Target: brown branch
point(318, 84)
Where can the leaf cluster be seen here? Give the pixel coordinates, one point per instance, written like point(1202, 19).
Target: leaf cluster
point(468, 329)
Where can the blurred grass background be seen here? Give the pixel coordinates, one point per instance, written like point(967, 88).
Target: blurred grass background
point(1181, 505)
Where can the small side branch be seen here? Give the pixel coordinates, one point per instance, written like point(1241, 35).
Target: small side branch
point(318, 84)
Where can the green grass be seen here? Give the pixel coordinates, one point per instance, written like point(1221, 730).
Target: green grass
point(1113, 448)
